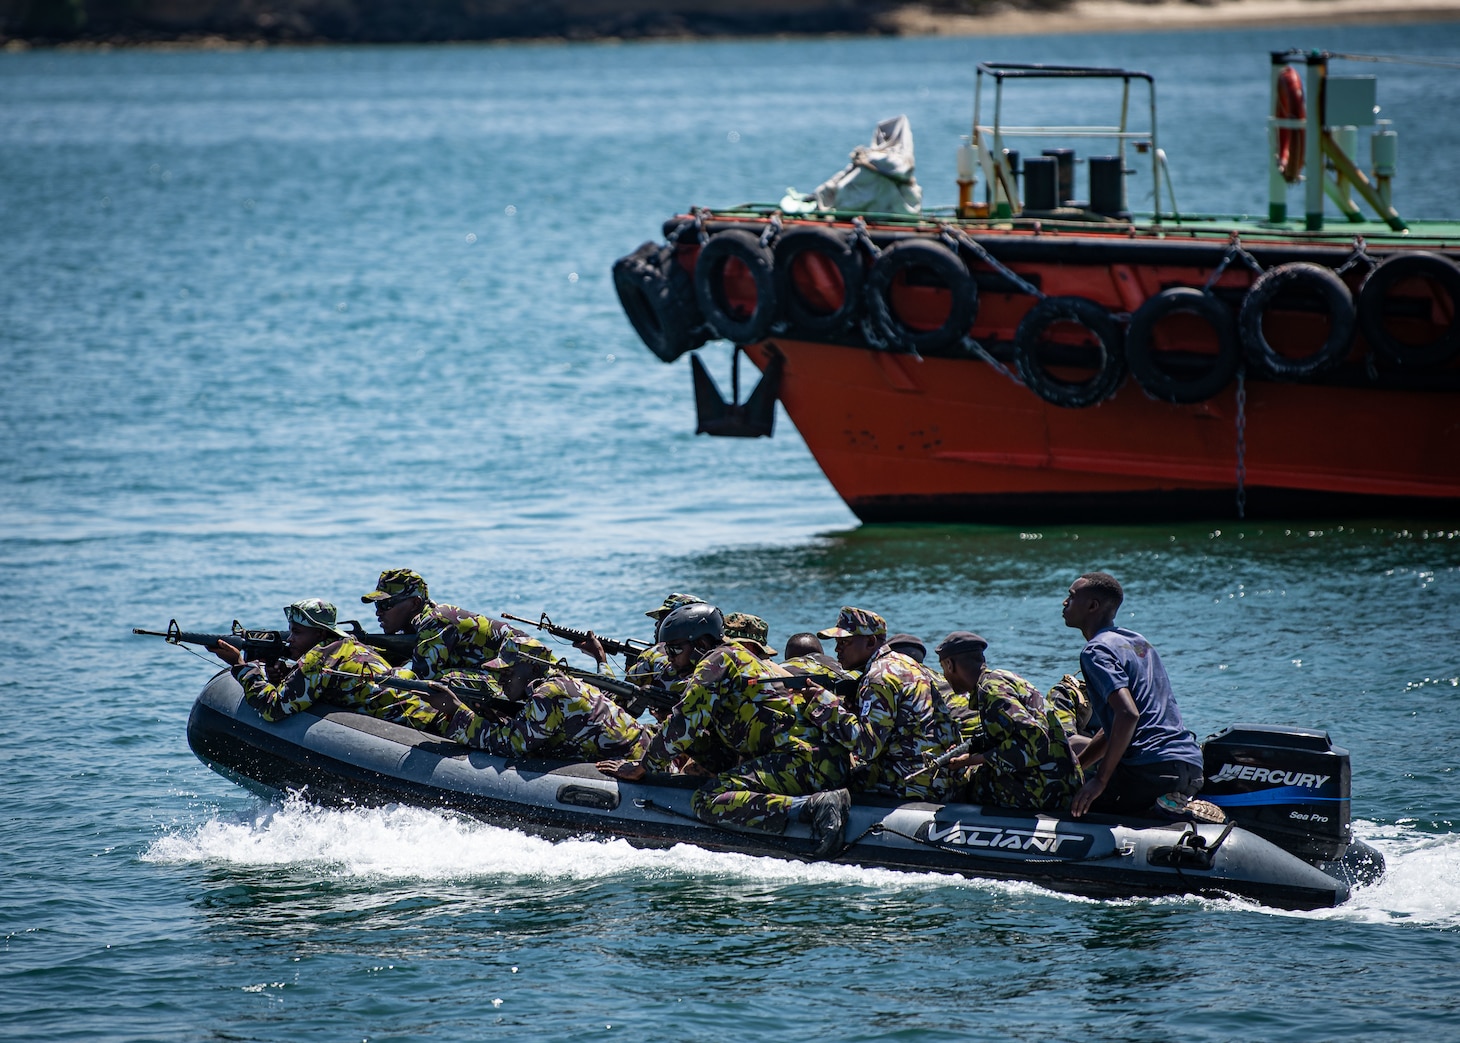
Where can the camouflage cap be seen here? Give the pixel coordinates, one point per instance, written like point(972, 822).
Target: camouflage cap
point(516, 649)
point(749, 630)
point(672, 602)
point(853, 621)
point(313, 612)
point(395, 582)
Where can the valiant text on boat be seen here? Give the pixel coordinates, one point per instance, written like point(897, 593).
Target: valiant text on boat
point(1030, 356)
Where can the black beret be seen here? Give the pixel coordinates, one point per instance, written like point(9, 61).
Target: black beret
point(961, 642)
point(909, 645)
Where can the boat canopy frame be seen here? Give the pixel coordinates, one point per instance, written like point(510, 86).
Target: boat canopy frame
point(989, 139)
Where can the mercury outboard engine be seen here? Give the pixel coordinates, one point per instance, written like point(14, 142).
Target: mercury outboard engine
point(1287, 785)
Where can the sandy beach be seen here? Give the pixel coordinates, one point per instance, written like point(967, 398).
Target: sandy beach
point(1084, 16)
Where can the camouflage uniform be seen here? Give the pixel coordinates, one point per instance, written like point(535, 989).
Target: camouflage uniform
point(904, 723)
point(653, 669)
point(451, 638)
point(771, 744)
point(750, 631)
point(563, 718)
point(1069, 701)
point(823, 668)
point(1028, 763)
point(312, 680)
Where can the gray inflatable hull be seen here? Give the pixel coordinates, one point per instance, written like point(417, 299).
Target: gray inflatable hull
point(340, 757)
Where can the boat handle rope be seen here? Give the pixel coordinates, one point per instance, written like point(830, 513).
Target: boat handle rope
point(976, 349)
point(859, 232)
point(1235, 252)
point(956, 237)
point(772, 229)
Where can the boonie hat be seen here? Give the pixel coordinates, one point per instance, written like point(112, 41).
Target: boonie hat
point(749, 630)
point(672, 602)
point(313, 612)
point(960, 642)
point(908, 645)
point(516, 649)
point(853, 621)
point(394, 583)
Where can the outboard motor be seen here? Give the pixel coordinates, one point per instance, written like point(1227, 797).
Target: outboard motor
point(1287, 785)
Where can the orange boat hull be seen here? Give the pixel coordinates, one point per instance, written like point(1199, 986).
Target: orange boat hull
point(938, 439)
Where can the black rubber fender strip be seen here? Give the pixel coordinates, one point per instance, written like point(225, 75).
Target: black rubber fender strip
point(1141, 356)
point(709, 283)
point(840, 251)
point(1030, 338)
point(1374, 294)
point(659, 300)
point(1289, 279)
point(947, 269)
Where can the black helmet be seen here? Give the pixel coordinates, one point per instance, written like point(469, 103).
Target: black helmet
point(690, 623)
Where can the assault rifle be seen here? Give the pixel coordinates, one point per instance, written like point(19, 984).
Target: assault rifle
point(630, 647)
point(268, 645)
point(395, 648)
point(941, 761)
point(265, 645)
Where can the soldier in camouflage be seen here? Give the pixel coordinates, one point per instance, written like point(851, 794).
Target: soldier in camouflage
point(561, 717)
point(777, 752)
point(652, 668)
point(447, 637)
point(804, 655)
point(1021, 758)
point(749, 632)
point(904, 721)
point(330, 667)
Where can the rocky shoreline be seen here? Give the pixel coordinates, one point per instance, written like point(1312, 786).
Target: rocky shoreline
point(232, 23)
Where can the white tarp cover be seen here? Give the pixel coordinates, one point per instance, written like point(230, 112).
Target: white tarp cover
point(878, 180)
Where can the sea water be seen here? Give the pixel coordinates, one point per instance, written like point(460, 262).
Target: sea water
point(272, 321)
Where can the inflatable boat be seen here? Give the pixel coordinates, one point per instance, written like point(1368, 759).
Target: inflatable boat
point(1288, 784)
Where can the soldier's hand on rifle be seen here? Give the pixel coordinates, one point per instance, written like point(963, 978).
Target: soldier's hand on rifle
point(276, 670)
point(629, 771)
point(966, 760)
point(591, 646)
point(441, 698)
point(228, 653)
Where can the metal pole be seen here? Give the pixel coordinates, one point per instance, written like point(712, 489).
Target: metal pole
point(1313, 145)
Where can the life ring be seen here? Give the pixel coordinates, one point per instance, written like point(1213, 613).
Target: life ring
point(1030, 339)
point(724, 261)
point(659, 299)
point(1305, 280)
point(1291, 141)
point(943, 270)
point(1376, 305)
point(1214, 373)
point(819, 277)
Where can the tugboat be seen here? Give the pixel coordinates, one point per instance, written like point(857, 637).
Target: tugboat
point(1031, 357)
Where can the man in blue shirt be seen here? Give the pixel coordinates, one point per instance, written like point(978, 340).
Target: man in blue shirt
point(1149, 763)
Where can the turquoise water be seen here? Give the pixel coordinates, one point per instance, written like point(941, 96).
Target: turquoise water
point(275, 320)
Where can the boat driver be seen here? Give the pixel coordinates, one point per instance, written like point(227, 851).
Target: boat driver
point(1144, 759)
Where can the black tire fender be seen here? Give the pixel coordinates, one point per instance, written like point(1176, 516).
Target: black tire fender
point(659, 300)
point(1140, 353)
point(1079, 311)
point(841, 253)
point(1287, 278)
point(1376, 289)
point(947, 269)
point(709, 281)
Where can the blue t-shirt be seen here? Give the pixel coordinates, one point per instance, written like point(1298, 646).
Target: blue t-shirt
point(1117, 658)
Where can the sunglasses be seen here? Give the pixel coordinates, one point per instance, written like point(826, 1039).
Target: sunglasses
point(393, 600)
point(677, 649)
